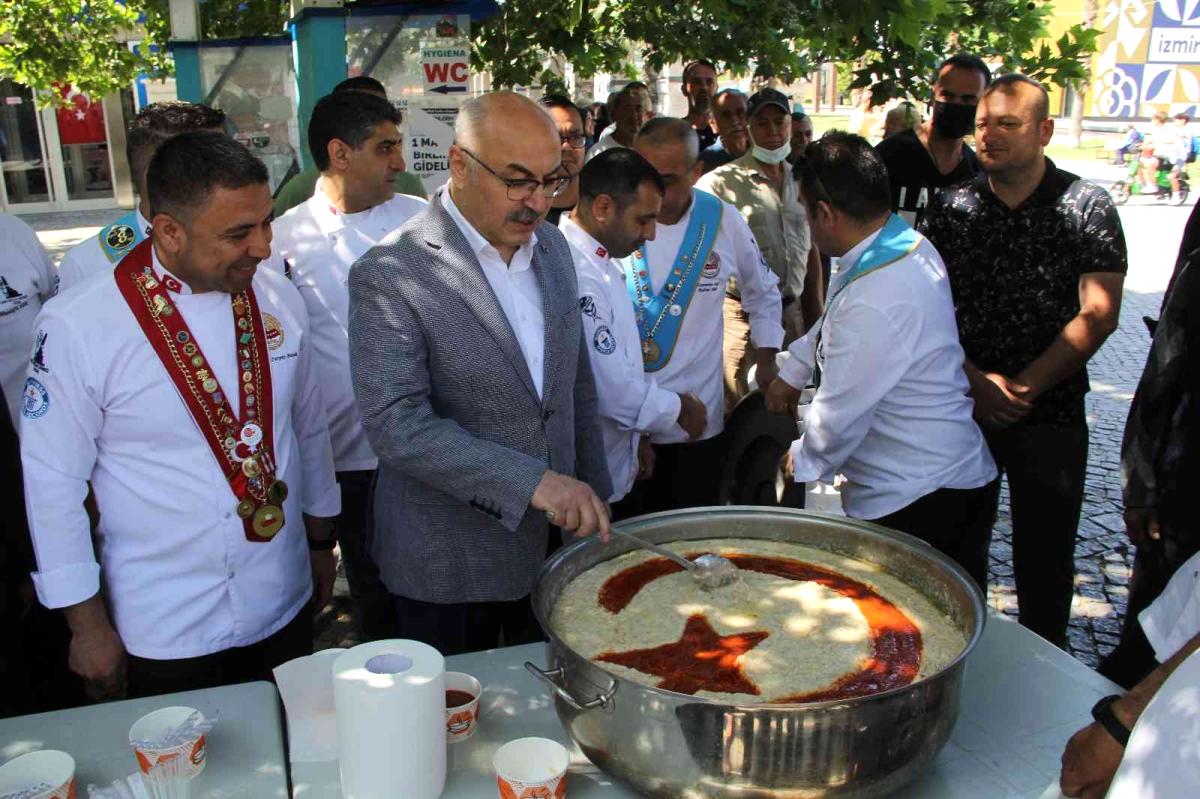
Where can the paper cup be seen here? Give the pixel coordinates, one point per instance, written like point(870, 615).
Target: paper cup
point(45, 768)
point(156, 726)
point(531, 768)
point(462, 719)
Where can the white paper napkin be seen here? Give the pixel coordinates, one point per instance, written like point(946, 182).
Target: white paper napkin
point(306, 686)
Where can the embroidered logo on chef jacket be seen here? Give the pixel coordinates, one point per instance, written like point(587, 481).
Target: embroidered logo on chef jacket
point(604, 341)
point(274, 332)
point(38, 360)
point(712, 267)
point(35, 400)
point(587, 305)
point(11, 300)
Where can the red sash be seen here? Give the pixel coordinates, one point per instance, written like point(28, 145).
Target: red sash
point(243, 449)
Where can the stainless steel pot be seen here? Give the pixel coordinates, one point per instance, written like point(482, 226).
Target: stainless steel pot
point(668, 744)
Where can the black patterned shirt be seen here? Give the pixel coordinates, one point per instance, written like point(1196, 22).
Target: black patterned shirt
point(1015, 272)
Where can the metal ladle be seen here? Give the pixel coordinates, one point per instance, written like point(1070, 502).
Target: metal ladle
point(710, 571)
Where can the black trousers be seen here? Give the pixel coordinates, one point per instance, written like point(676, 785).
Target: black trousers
point(241, 664)
point(955, 521)
point(1153, 566)
point(374, 610)
point(468, 626)
point(1045, 465)
point(686, 475)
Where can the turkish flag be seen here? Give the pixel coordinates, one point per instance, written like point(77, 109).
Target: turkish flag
point(81, 122)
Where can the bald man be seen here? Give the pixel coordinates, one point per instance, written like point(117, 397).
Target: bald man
point(476, 392)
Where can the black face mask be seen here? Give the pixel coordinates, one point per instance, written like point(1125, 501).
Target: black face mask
point(952, 120)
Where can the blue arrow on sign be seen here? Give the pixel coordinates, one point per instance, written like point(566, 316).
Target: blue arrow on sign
point(448, 89)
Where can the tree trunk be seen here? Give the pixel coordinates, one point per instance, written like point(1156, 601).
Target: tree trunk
point(1090, 12)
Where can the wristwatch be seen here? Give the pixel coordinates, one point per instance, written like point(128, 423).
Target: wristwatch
point(1103, 713)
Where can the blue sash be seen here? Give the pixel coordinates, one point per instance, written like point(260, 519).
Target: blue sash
point(896, 241)
point(121, 236)
point(660, 316)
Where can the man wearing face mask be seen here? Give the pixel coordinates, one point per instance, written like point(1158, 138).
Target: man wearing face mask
point(760, 185)
point(934, 155)
point(733, 131)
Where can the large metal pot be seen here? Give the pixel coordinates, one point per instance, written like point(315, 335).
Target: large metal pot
point(668, 744)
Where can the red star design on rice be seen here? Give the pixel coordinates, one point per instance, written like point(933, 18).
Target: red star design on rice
point(701, 660)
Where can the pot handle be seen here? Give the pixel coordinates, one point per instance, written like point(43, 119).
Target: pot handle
point(551, 678)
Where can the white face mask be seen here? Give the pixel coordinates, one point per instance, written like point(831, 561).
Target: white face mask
point(772, 156)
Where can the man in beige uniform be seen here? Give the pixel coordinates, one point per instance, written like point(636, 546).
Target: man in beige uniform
point(759, 184)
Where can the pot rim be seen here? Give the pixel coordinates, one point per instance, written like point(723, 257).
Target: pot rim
point(922, 548)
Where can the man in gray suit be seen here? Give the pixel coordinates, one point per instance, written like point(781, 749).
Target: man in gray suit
point(476, 393)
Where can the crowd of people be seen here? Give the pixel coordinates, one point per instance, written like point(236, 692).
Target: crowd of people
point(229, 384)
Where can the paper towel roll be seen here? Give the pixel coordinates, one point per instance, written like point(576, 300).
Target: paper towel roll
point(390, 702)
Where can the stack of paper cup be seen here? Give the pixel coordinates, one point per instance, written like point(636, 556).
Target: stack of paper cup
point(390, 703)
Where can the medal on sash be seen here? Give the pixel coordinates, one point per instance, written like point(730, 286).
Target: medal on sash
point(896, 241)
point(660, 316)
point(243, 447)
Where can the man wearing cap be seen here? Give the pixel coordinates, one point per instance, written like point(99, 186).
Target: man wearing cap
point(355, 140)
point(677, 284)
point(761, 186)
point(733, 131)
point(182, 388)
point(699, 86)
point(152, 126)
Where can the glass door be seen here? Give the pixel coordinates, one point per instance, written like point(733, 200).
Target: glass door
point(84, 144)
point(26, 175)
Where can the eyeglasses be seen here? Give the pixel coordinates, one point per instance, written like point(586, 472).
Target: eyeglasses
point(576, 140)
point(524, 188)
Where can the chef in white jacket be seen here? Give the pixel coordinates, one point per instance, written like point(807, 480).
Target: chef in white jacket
point(619, 201)
point(356, 143)
point(184, 391)
point(676, 285)
point(27, 280)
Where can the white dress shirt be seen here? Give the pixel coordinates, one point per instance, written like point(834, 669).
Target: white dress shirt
point(516, 288)
point(629, 401)
point(179, 575)
point(1174, 618)
point(892, 412)
point(319, 245)
point(87, 258)
point(696, 364)
point(27, 280)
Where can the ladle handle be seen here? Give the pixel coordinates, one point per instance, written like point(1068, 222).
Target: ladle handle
point(666, 553)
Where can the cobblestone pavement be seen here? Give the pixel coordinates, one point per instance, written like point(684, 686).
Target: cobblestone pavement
point(1103, 557)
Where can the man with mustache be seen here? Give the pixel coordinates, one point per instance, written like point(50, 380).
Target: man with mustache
point(1036, 258)
point(472, 375)
point(183, 389)
point(569, 121)
point(921, 161)
point(733, 129)
point(760, 184)
point(699, 85)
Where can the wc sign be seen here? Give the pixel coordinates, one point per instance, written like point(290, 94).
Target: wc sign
point(446, 69)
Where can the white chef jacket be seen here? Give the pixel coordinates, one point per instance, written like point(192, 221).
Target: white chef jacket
point(1162, 758)
point(629, 401)
point(516, 288)
point(696, 365)
point(179, 575)
point(892, 412)
point(87, 258)
point(27, 280)
point(319, 245)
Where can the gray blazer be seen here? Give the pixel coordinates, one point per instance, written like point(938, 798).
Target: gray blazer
point(451, 411)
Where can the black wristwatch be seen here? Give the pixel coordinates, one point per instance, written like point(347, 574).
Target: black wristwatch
point(322, 546)
point(1103, 713)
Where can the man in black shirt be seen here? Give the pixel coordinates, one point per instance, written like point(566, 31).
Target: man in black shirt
point(1036, 258)
point(699, 87)
point(921, 161)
